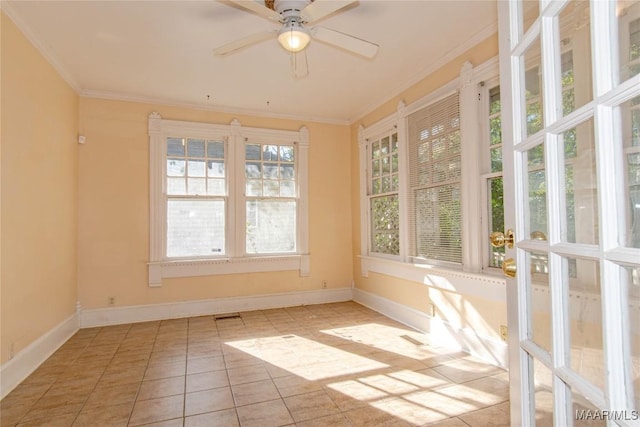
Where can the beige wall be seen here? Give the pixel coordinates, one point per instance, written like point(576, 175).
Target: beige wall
point(39, 194)
point(75, 226)
point(460, 311)
point(114, 204)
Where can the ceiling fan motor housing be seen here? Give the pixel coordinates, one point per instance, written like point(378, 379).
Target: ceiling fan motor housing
point(290, 8)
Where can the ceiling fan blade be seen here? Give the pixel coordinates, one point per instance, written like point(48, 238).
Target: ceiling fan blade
point(258, 8)
point(243, 43)
point(318, 9)
point(345, 41)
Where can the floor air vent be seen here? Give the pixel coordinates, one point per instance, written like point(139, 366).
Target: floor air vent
point(226, 316)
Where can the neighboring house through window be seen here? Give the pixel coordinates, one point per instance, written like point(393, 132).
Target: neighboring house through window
point(226, 198)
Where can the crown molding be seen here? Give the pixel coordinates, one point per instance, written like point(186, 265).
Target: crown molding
point(439, 63)
point(44, 50)
point(115, 96)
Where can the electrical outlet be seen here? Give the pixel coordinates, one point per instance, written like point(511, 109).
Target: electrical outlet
point(504, 332)
point(324, 284)
point(112, 300)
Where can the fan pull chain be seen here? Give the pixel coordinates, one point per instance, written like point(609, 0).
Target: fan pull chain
point(299, 66)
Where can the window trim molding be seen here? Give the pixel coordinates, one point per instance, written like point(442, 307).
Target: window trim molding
point(391, 123)
point(159, 266)
point(466, 83)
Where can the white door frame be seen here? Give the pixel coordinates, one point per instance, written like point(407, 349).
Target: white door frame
point(610, 253)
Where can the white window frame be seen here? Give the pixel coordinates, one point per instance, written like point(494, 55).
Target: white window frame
point(236, 260)
point(485, 159)
point(366, 136)
point(467, 278)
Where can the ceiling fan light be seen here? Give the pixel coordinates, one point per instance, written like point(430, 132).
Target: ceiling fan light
point(293, 36)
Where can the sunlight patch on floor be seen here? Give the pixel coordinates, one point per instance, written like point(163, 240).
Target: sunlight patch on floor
point(403, 342)
point(306, 358)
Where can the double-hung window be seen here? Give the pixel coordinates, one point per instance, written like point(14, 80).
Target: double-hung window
point(226, 199)
point(196, 194)
point(383, 186)
point(434, 181)
point(271, 198)
point(493, 215)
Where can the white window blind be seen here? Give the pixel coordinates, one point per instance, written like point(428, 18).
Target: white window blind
point(434, 181)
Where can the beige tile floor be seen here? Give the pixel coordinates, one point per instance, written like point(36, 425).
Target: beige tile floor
point(322, 365)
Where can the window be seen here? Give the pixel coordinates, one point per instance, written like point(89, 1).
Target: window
point(493, 179)
point(223, 195)
point(630, 110)
point(419, 200)
point(630, 28)
point(383, 186)
point(271, 198)
point(196, 197)
point(434, 181)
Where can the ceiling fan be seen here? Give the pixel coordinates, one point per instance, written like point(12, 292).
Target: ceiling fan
point(294, 36)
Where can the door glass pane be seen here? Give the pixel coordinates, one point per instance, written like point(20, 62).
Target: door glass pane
point(633, 298)
point(628, 12)
point(580, 185)
point(533, 117)
point(195, 227)
point(543, 395)
point(630, 112)
point(585, 308)
point(537, 186)
point(575, 47)
point(538, 281)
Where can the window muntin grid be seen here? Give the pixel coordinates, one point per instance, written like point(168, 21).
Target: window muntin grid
point(270, 170)
point(196, 197)
point(271, 198)
point(195, 167)
point(383, 186)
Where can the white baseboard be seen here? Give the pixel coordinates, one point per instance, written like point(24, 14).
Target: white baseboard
point(488, 349)
point(27, 360)
point(146, 313)
point(14, 371)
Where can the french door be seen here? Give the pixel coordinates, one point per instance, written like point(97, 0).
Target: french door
point(570, 91)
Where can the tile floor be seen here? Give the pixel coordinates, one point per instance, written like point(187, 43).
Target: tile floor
point(322, 365)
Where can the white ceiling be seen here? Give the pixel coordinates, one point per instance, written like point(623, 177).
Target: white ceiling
point(161, 51)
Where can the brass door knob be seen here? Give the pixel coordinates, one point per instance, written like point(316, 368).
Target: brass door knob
point(498, 239)
point(509, 267)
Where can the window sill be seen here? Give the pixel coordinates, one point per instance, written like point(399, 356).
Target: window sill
point(448, 279)
point(208, 267)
